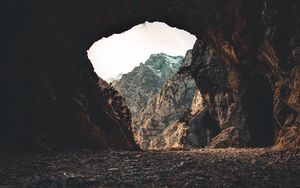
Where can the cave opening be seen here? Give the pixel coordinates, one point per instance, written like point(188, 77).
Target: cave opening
point(89, 108)
point(132, 70)
point(148, 66)
point(52, 100)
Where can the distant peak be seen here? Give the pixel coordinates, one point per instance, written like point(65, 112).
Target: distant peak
point(165, 55)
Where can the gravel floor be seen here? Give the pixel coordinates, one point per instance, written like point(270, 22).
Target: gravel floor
point(265, 167)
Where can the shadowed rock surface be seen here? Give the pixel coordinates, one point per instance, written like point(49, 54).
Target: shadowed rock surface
point(118, 111)
point(202, 128)
point(235, 95)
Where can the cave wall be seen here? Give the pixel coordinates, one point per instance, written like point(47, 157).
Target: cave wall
point(235, 95)
point(50, 90)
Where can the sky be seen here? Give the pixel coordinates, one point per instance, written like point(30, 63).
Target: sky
point(120, 53)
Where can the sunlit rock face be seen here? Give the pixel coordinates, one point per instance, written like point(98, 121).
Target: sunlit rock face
point(164, 108)
point(193, 128)
point(190, 128)
point(145, 80)
point(197, 103)
point(51, 94)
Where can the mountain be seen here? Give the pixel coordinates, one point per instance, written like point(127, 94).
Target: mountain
point(146, 79)
point(164, 108)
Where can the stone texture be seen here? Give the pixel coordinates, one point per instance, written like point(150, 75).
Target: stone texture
point(197, 103)
point(230, 137)
point(145, 80)
point(193, 128)
point(166, 107)
point(202, 127)
point(235, 95)
point(279, 53)
point(234, 167)
point(117, 108)
point(172, 137)
point(289, 138)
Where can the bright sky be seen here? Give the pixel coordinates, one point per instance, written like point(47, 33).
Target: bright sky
point(120, 53)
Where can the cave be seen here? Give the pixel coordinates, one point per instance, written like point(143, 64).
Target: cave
point(148, 67)
point(58, 127)
point(51, 90)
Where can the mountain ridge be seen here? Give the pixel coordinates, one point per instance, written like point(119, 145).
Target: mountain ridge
point(146, 79)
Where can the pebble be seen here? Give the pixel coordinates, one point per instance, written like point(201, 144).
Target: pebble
point(199, 168)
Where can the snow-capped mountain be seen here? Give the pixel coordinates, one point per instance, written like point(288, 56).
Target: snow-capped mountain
point(146, 79)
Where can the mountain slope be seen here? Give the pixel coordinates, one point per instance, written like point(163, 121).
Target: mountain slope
point(146, 79)
point(164, 108)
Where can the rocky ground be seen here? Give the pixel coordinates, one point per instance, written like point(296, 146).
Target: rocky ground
point(194, 168)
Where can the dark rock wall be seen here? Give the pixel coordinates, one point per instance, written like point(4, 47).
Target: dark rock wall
point(51, 93)
point(235, 94)
point(279, 53)
point(202, 128)
point(53, 97)
point(117, 109)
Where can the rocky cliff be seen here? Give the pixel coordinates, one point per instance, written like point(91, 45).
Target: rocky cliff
point(236, 95)
point(146, 79)
point(179, 134)
point(193, 128)
point(117, 109)
point(165, 108)
point(51, 93)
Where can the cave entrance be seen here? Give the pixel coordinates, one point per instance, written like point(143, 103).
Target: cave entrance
point(143, 65)
point(63, 42)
